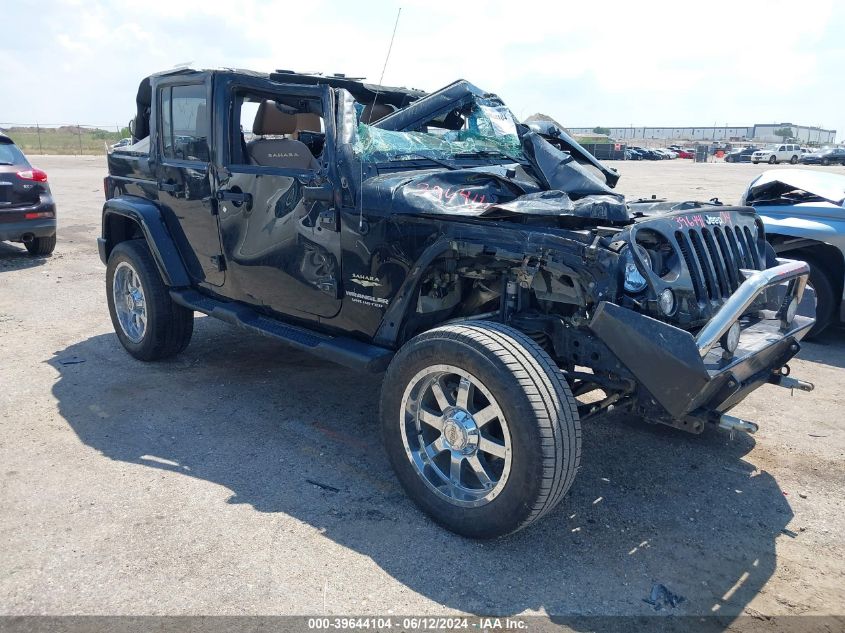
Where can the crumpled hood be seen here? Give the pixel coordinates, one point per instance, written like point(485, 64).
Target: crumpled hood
point(566, 191)
point(772, 184)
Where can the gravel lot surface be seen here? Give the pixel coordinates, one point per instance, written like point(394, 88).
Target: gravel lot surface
point(184, 487)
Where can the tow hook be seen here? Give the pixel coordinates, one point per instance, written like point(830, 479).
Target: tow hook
point(781, 378)
point(732, 423)
point(794, 383)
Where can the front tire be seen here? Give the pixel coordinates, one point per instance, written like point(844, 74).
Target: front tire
point(825, 162)
point(41, 246)
point(480, 427)
point(825, 297)
point(148, 323)
point(773, 160)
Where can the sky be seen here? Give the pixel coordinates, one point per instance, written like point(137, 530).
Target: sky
point(584, 63)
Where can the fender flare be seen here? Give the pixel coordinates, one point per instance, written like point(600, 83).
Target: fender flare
point(395, 315)
point(149, 218)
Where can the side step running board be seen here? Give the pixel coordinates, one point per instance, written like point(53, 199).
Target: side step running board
point(339, 349)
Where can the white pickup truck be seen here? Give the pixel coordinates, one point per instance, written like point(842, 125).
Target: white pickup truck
point(774, 154)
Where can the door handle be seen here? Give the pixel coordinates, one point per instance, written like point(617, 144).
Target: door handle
point(237, 198)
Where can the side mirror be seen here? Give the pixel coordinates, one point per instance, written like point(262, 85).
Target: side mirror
point(131, 127)
point(323, 193)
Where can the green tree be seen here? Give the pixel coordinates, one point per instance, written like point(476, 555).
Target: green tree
point(606, 130)
point(783, 132)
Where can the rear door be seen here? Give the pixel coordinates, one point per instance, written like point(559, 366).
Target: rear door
point(183, 175)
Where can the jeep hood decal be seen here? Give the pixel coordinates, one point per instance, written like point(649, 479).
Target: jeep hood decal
point(485, 192)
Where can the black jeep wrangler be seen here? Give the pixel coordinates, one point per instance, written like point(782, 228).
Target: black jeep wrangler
point(487, 266)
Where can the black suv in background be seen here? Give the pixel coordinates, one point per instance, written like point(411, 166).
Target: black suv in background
point(740, 154)
point(27, 210)
point(828, 156)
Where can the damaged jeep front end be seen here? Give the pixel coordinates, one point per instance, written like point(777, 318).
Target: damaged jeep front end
point(674, 313)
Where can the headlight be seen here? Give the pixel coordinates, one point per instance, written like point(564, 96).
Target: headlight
point(730, 339)
point(666, 301)
point(634, 281)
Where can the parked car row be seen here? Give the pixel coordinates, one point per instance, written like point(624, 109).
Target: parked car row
point(659, 153)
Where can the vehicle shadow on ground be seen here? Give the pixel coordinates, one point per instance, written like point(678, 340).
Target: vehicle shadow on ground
point(15, 257)
point(828, 349)
point(287, 433)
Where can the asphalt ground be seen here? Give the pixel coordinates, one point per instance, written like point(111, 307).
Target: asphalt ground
point(243, 477)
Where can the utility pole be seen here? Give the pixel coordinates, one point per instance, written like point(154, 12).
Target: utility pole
point(38, 131)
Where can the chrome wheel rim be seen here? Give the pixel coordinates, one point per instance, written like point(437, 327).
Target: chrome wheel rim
point(456, 436)
point(130, 304)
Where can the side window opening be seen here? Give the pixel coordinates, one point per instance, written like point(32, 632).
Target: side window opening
point(278, 131)
point(185, 122)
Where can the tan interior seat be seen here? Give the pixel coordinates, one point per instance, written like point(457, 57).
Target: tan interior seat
point(372, 113)
point(308, 122)
point(285, 153)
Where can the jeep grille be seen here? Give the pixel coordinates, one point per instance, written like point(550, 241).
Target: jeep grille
point(714, 257)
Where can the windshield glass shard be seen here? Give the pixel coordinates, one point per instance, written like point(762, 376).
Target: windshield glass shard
point(487, 130)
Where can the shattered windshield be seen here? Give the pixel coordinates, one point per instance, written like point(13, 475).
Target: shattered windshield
point(488, 130)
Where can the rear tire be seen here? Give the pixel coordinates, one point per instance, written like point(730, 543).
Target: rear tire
point(518, 406)
point(149, 324)
point(793, 160)
point(41, 246)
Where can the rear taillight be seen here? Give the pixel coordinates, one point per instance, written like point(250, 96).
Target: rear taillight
point(33, 174)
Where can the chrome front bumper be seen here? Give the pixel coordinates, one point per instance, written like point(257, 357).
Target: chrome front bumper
point(685, 377)
point(756, 282)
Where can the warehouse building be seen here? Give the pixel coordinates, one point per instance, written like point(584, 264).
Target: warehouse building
point(761, 133)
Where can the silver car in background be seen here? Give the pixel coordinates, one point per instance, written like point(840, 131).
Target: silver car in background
point(804, 215)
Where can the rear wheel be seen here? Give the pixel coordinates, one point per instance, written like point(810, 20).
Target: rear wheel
point(480, 427)
point(41, 246)
point(149, 324)
point(793, 160)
